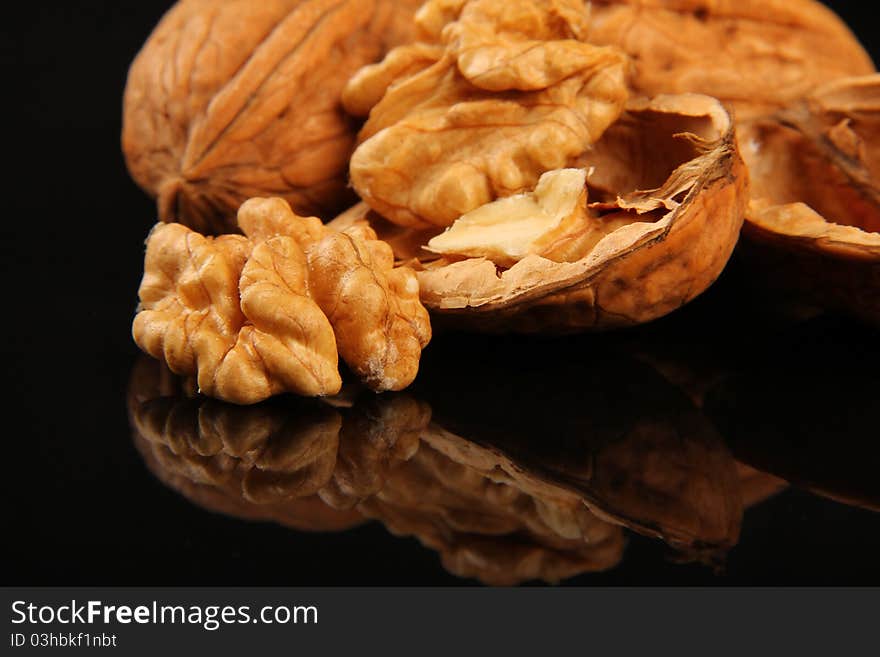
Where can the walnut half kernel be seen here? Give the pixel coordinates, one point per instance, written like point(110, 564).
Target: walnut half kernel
point(552, 221)
point(271, 312)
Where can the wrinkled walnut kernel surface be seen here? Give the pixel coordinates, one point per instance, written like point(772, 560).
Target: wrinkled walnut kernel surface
point(494, 95)
point(254, 316)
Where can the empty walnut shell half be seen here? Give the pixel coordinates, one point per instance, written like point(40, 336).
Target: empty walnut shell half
point(754, 55)
point(233, 99)
point(667, 192)
point(814, 221)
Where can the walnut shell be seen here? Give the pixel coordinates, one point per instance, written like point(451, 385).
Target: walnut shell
point(754, 55)
point(233, 99)
point(669, 170)
point(813, 226)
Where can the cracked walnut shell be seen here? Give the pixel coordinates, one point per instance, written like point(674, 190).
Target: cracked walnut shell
point(813, 226)
point(230, 99)
point(254, 316)
point(667, 193)
point(495, 94)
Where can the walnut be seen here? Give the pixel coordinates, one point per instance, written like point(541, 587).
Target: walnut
point(233, 99)
point(246, 329)
point(806, 132)
point(754, 55)
point(254, 316)
point(813, 225)
point(552, 221)
point(659, 217)
point(380, 325)
point(496, 94)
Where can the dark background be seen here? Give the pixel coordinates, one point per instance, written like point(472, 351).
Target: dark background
point(83, 508)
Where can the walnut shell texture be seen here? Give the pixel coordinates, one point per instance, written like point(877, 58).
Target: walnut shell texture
point(233, 99)
point(672, 166)
point(754, 55)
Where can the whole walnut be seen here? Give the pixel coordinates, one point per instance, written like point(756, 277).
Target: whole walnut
point(754, 55)
point(231, 99)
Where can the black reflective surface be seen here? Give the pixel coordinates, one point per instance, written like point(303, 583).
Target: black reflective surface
point(727, 444)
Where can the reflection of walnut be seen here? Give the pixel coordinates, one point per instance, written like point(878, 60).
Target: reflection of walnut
point(269, 459)
point(232, 98)
point(487, 526)
point(247, 316)
point(378, 433)
point(499, 93)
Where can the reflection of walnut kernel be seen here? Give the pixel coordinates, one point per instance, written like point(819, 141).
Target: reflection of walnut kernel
point(253, 317)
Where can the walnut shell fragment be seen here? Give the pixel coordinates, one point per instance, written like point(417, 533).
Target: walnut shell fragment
point(495, 94)
point(813, 225)
point(667, 192)
point(254, 316)
point(233, 99)
point(754, 55)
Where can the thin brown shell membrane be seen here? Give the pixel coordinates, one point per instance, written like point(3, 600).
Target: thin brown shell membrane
point(814, 221)
point(232, 99)
point(668, 173)
point(754, 55)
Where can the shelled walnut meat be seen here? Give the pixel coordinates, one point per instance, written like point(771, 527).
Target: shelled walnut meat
point(252, 316)
point(231, 99)
point(495, 94)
